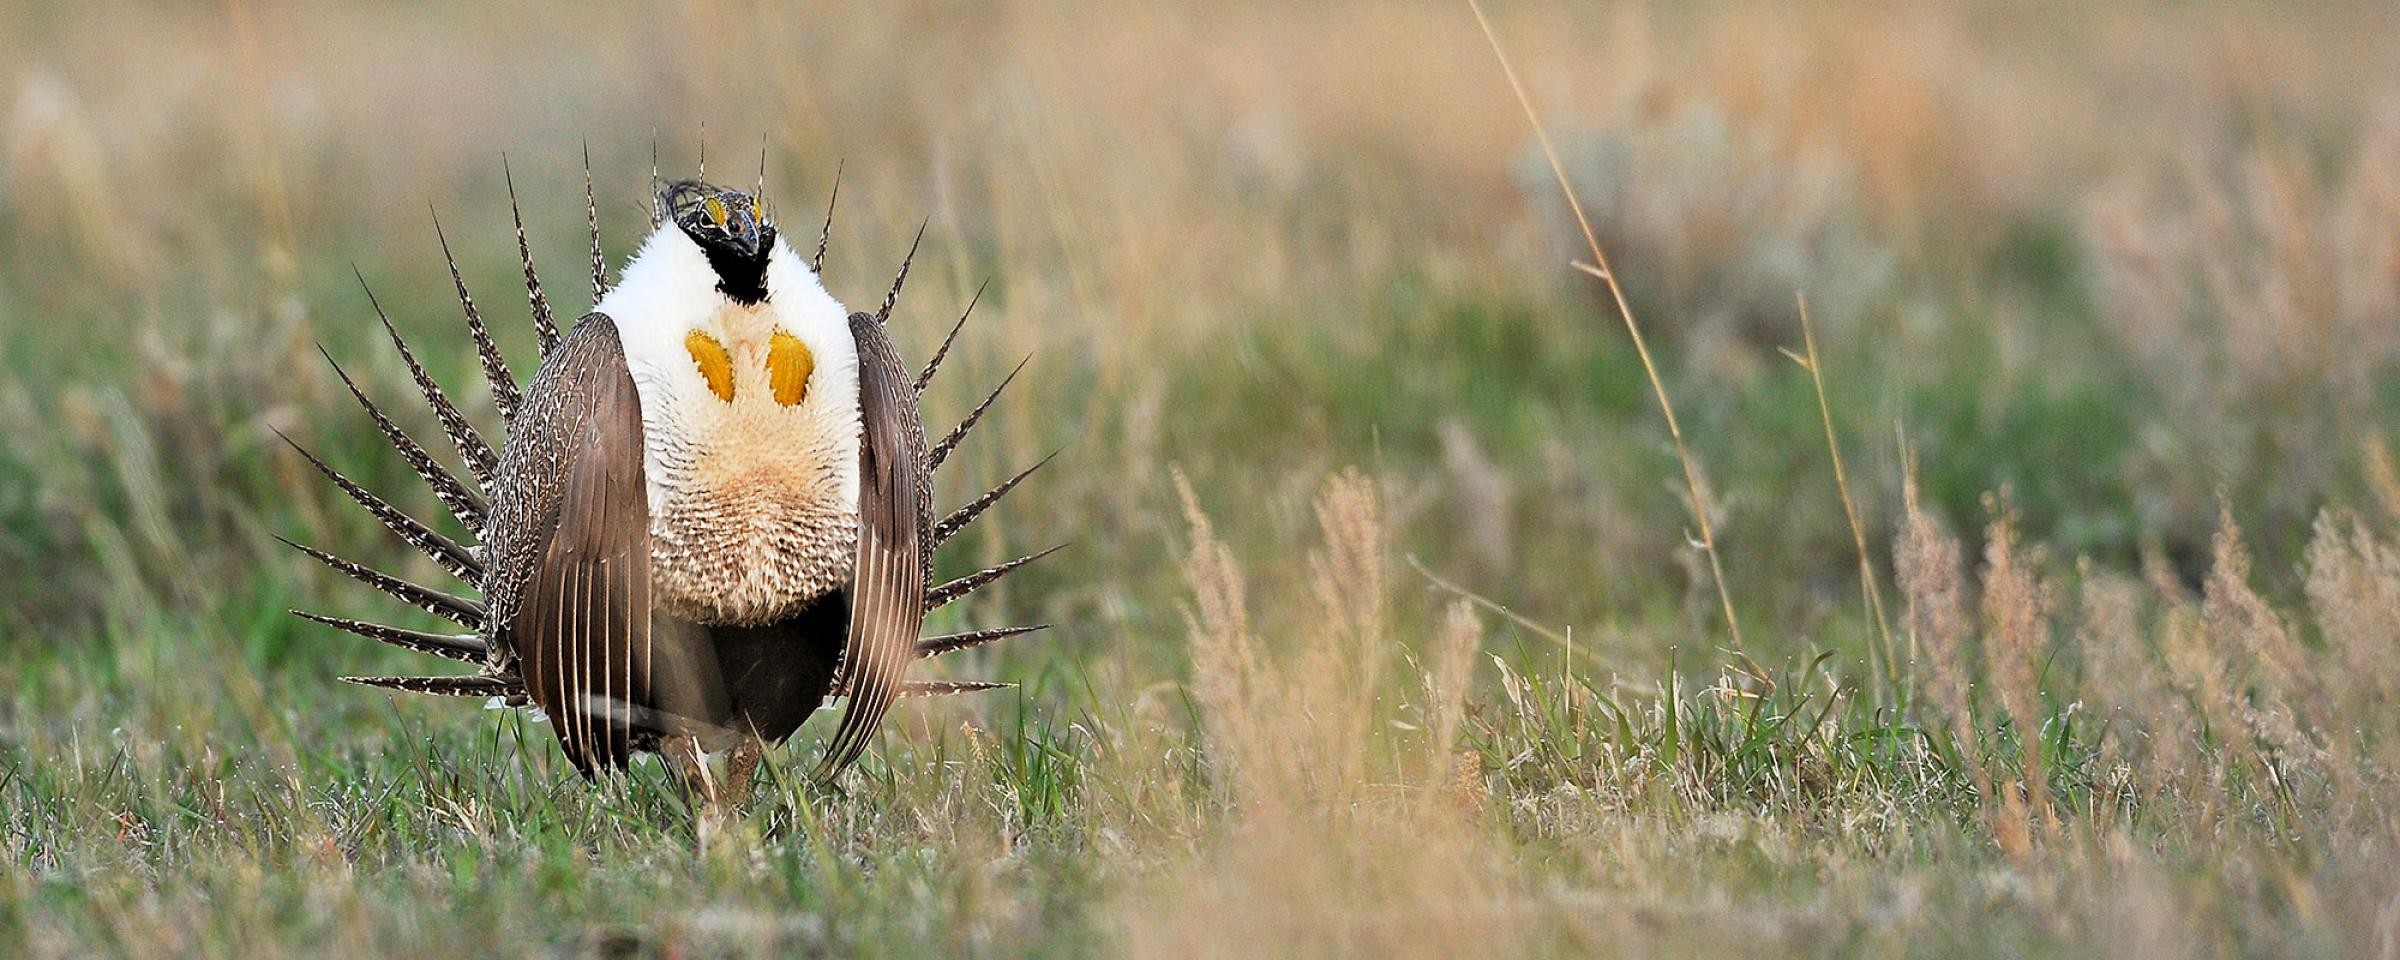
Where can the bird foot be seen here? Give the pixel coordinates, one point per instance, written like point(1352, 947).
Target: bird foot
point(741, 771)
point(719, 800)
point(683, 756)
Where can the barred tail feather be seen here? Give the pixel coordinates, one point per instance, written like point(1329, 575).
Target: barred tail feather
point(892, 299)
point(943, 352)
point(816, 264)
point(923, 688)
point(944, 688)
point(481, 460)
point(941, 451)
point(464, 503)
point(948, 593)
point(931, 647)
point(467, 686)
point(545, 326)
point(591, 218)
point(465, 648)
point(453, 557)
point(959, 519)
point(495, 367)
point(459, 610)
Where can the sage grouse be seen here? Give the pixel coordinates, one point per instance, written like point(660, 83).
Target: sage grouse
point(710, 514)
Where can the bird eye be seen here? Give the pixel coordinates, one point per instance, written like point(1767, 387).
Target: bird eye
point(716, 210)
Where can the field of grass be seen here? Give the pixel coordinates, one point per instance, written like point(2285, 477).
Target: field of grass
point(1387, 625)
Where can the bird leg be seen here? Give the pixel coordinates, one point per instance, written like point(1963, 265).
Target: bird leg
point(682, 753)
point(741, 769)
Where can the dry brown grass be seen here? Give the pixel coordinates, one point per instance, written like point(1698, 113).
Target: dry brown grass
point(2255, 296)
point(1341, 835)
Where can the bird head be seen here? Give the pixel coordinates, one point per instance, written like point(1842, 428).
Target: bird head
point(731, 227)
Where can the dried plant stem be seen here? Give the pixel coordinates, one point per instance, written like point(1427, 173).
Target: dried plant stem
point(1599, 267)
point(1565, 639)
point(1869, 590)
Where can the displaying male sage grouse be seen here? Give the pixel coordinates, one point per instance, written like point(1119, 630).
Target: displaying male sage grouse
point(711, 513)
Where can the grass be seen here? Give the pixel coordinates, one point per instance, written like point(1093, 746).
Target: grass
point(1397, 619)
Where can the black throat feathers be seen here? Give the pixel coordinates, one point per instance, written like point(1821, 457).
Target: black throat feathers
point(741, 276)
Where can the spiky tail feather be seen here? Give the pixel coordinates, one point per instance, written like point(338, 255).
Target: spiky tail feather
point(468, 686)
point(950, 441)
point(545, 326)
point(495, 367)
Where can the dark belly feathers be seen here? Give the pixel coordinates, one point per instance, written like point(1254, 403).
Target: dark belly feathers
point(714, 682)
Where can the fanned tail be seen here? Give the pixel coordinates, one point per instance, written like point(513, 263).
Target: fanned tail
point(467, 497)
point(468, 503)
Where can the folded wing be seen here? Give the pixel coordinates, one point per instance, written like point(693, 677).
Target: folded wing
point(887, 599)
point(569, 589)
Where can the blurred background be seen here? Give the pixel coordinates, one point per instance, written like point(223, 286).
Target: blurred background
point(2121, 263)
point(2117, 272)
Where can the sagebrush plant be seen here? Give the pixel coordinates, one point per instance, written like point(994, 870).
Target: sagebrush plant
point(1397, 621)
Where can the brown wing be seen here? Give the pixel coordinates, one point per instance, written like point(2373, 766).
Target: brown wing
point(570, 546)
point(887, 592)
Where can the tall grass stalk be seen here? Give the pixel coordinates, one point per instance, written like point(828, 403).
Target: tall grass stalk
point(1887, 671)
point(1599, 267)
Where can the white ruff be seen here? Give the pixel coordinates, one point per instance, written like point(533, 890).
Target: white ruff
point(753, 505)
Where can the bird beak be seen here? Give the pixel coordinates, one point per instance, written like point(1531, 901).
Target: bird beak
point(748, 231)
